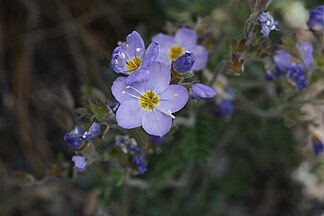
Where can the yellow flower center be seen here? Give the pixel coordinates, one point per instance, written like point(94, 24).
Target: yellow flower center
point(133, 64)
point(175, 52)
point(149, 100)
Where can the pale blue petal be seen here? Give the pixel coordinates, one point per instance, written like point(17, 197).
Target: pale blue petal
point(186, 37)
point(201, 55)
point(150, 55)
point(174, 98)
point(134, 45)
point(121, 93)
point(137, 76)
point(160, 76)
point(129, 114)
point(165, 42)
point(156, 123)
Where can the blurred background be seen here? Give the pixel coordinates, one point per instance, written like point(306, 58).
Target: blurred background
point(53, 51)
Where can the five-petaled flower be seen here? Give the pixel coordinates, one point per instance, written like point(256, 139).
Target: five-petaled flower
point(184, 40)
point(149, 104)
point(132, 59)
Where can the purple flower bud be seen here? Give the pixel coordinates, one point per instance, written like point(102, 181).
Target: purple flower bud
point(93, 131)
point(201, 91)
point(184, 63)
point(139, 161)
point(316, 18)
point(267, 23)
point(80, 163)
point(296, 75)
point(114, 106)
point(318, 147)
point(74, 138)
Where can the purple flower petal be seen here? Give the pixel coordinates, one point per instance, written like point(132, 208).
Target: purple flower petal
point(160, 76)
point(93, 131)
point(201, 91)
point(165, 42)
point(201, 55)
point(129, 114)
point(186, 37)
point(121, 93)
point(282, 59)
point(74, 138)
point(306, 50)
point(316, 18)
point(134, 45)
point(151, 54)
point(137, 76)
point(156, 123)
point(174, 99)
point(80, 163)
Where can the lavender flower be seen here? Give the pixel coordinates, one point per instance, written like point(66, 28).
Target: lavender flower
point(74, 138)
point(80, 163)
point(149, 104)
point(306, 49)
point(316, 18)
point(267, 23)
point(318, 147)
point(139, 161)
point(282, 59)
point(184, 40)
point(77, 136)
point(184, 63)
point(225, 109)
point(296, 76)
point(201, 91)
point(93, 132)
point(132, 59)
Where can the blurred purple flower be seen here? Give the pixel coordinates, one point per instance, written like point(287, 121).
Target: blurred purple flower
point(184, 63)
point(80, 163)
point(77, 136)
point(132, 59)
point(316, 18)
point(139, 161)
point(306, 49)
point(184, 40)
point(201, 91)
point(93, 132)
point(74, 138)
point(267, 23)
point(149, 104)
point(226, 108)
point(318, 147)
point(296, 75)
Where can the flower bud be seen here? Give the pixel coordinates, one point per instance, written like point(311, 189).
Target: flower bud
point(316, 18)
point(184, 63)
point(201, 91)
point(80, 163)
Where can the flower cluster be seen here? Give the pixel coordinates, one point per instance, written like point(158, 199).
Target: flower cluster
point(129, 146)
point(293, 66)
point(77, 138)
point(146, 96)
